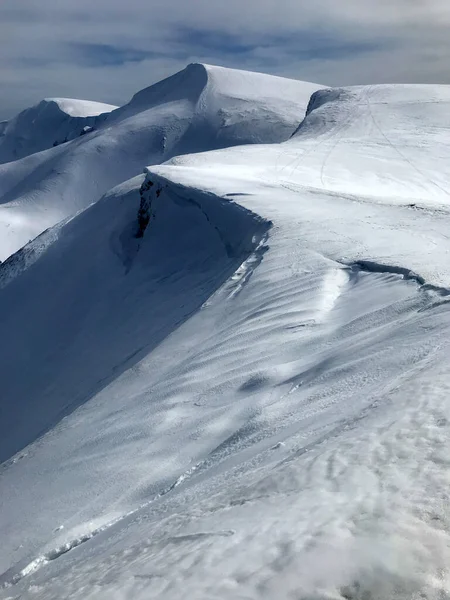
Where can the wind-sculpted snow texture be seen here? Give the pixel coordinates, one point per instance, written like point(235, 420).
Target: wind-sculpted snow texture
point(201, 108)
point(237, 371)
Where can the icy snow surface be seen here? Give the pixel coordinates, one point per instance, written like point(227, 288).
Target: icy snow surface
point(243, 393)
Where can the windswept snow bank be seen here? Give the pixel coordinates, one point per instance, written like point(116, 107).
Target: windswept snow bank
point(127, 291)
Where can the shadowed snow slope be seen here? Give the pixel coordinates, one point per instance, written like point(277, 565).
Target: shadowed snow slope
point(156, 280)
point(201, 108)
point(49, 123)
point(255, 388)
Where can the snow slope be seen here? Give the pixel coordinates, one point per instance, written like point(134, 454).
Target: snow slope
point(49, 123)
point(251, 358)
point(200, 108)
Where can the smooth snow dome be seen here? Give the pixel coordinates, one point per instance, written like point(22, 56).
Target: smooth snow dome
point(228, 376)
point(200, 108)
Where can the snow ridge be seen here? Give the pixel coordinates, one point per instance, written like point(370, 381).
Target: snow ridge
point(199, 243)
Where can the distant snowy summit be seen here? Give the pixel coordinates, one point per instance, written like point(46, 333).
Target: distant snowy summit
point(51, 122)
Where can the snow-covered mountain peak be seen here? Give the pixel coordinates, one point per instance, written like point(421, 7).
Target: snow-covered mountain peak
point(211, 89)
point(187, 84)
point(49, 123)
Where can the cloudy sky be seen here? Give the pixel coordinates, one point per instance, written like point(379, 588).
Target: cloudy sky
point(108, 49)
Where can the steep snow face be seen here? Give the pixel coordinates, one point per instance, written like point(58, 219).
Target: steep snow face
point(201, 108)
point(185, 86)
point(49, 123)
point(283, 437)
point(106, 247)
